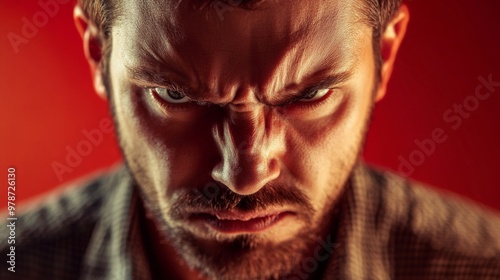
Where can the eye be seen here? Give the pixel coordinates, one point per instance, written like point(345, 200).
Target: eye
point(315, 95)
point(170, 96)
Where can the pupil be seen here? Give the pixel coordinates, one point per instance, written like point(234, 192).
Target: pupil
point(311, 95)
point(175, 94)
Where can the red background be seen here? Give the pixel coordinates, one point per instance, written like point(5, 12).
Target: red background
point(47, 100)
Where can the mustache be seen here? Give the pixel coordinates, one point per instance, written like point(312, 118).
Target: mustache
point(218, 197)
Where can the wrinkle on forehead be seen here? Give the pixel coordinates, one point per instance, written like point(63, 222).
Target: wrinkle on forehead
point(148, 29)
point(264, 50)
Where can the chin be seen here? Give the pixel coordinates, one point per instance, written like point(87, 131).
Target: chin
point(242, 256)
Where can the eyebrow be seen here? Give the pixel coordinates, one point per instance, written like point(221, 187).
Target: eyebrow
point(161, 76)
point(311, 85)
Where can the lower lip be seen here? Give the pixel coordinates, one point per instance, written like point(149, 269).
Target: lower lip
point(238, 226)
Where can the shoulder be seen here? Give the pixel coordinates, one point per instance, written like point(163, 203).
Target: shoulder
point(50, 236)
point(435, 229)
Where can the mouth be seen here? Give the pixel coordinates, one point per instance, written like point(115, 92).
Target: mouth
point(240, 222)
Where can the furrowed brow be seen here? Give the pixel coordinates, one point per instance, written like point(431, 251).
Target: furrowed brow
point(151, 68)
point(311, 85)
point(145, 76)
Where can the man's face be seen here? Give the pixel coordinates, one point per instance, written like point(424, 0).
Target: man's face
point(241, 126)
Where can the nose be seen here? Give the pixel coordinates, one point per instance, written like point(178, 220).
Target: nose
point(249, 145)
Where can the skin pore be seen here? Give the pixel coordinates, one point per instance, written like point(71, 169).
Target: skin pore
point(266, 110)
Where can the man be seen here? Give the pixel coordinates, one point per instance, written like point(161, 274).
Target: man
point(241, 123)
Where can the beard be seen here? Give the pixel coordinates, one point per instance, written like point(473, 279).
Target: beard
point(244, 256)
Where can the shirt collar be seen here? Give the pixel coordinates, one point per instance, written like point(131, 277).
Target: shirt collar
point(116, 250)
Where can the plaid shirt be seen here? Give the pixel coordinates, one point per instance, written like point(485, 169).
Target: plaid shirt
point(389, 228)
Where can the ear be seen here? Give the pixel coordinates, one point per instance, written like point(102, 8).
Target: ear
point(390, 41)
point(92, 47)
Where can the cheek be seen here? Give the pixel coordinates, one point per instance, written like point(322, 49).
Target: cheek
point(315, 148)
point(164, 155)
point(139, 147)
point(320, 155)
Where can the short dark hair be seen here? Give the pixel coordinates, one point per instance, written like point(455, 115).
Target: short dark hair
point(376, 13)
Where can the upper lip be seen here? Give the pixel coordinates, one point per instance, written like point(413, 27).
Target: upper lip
point(239, 215)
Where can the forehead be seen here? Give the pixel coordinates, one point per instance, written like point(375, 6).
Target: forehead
point(214, 45)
